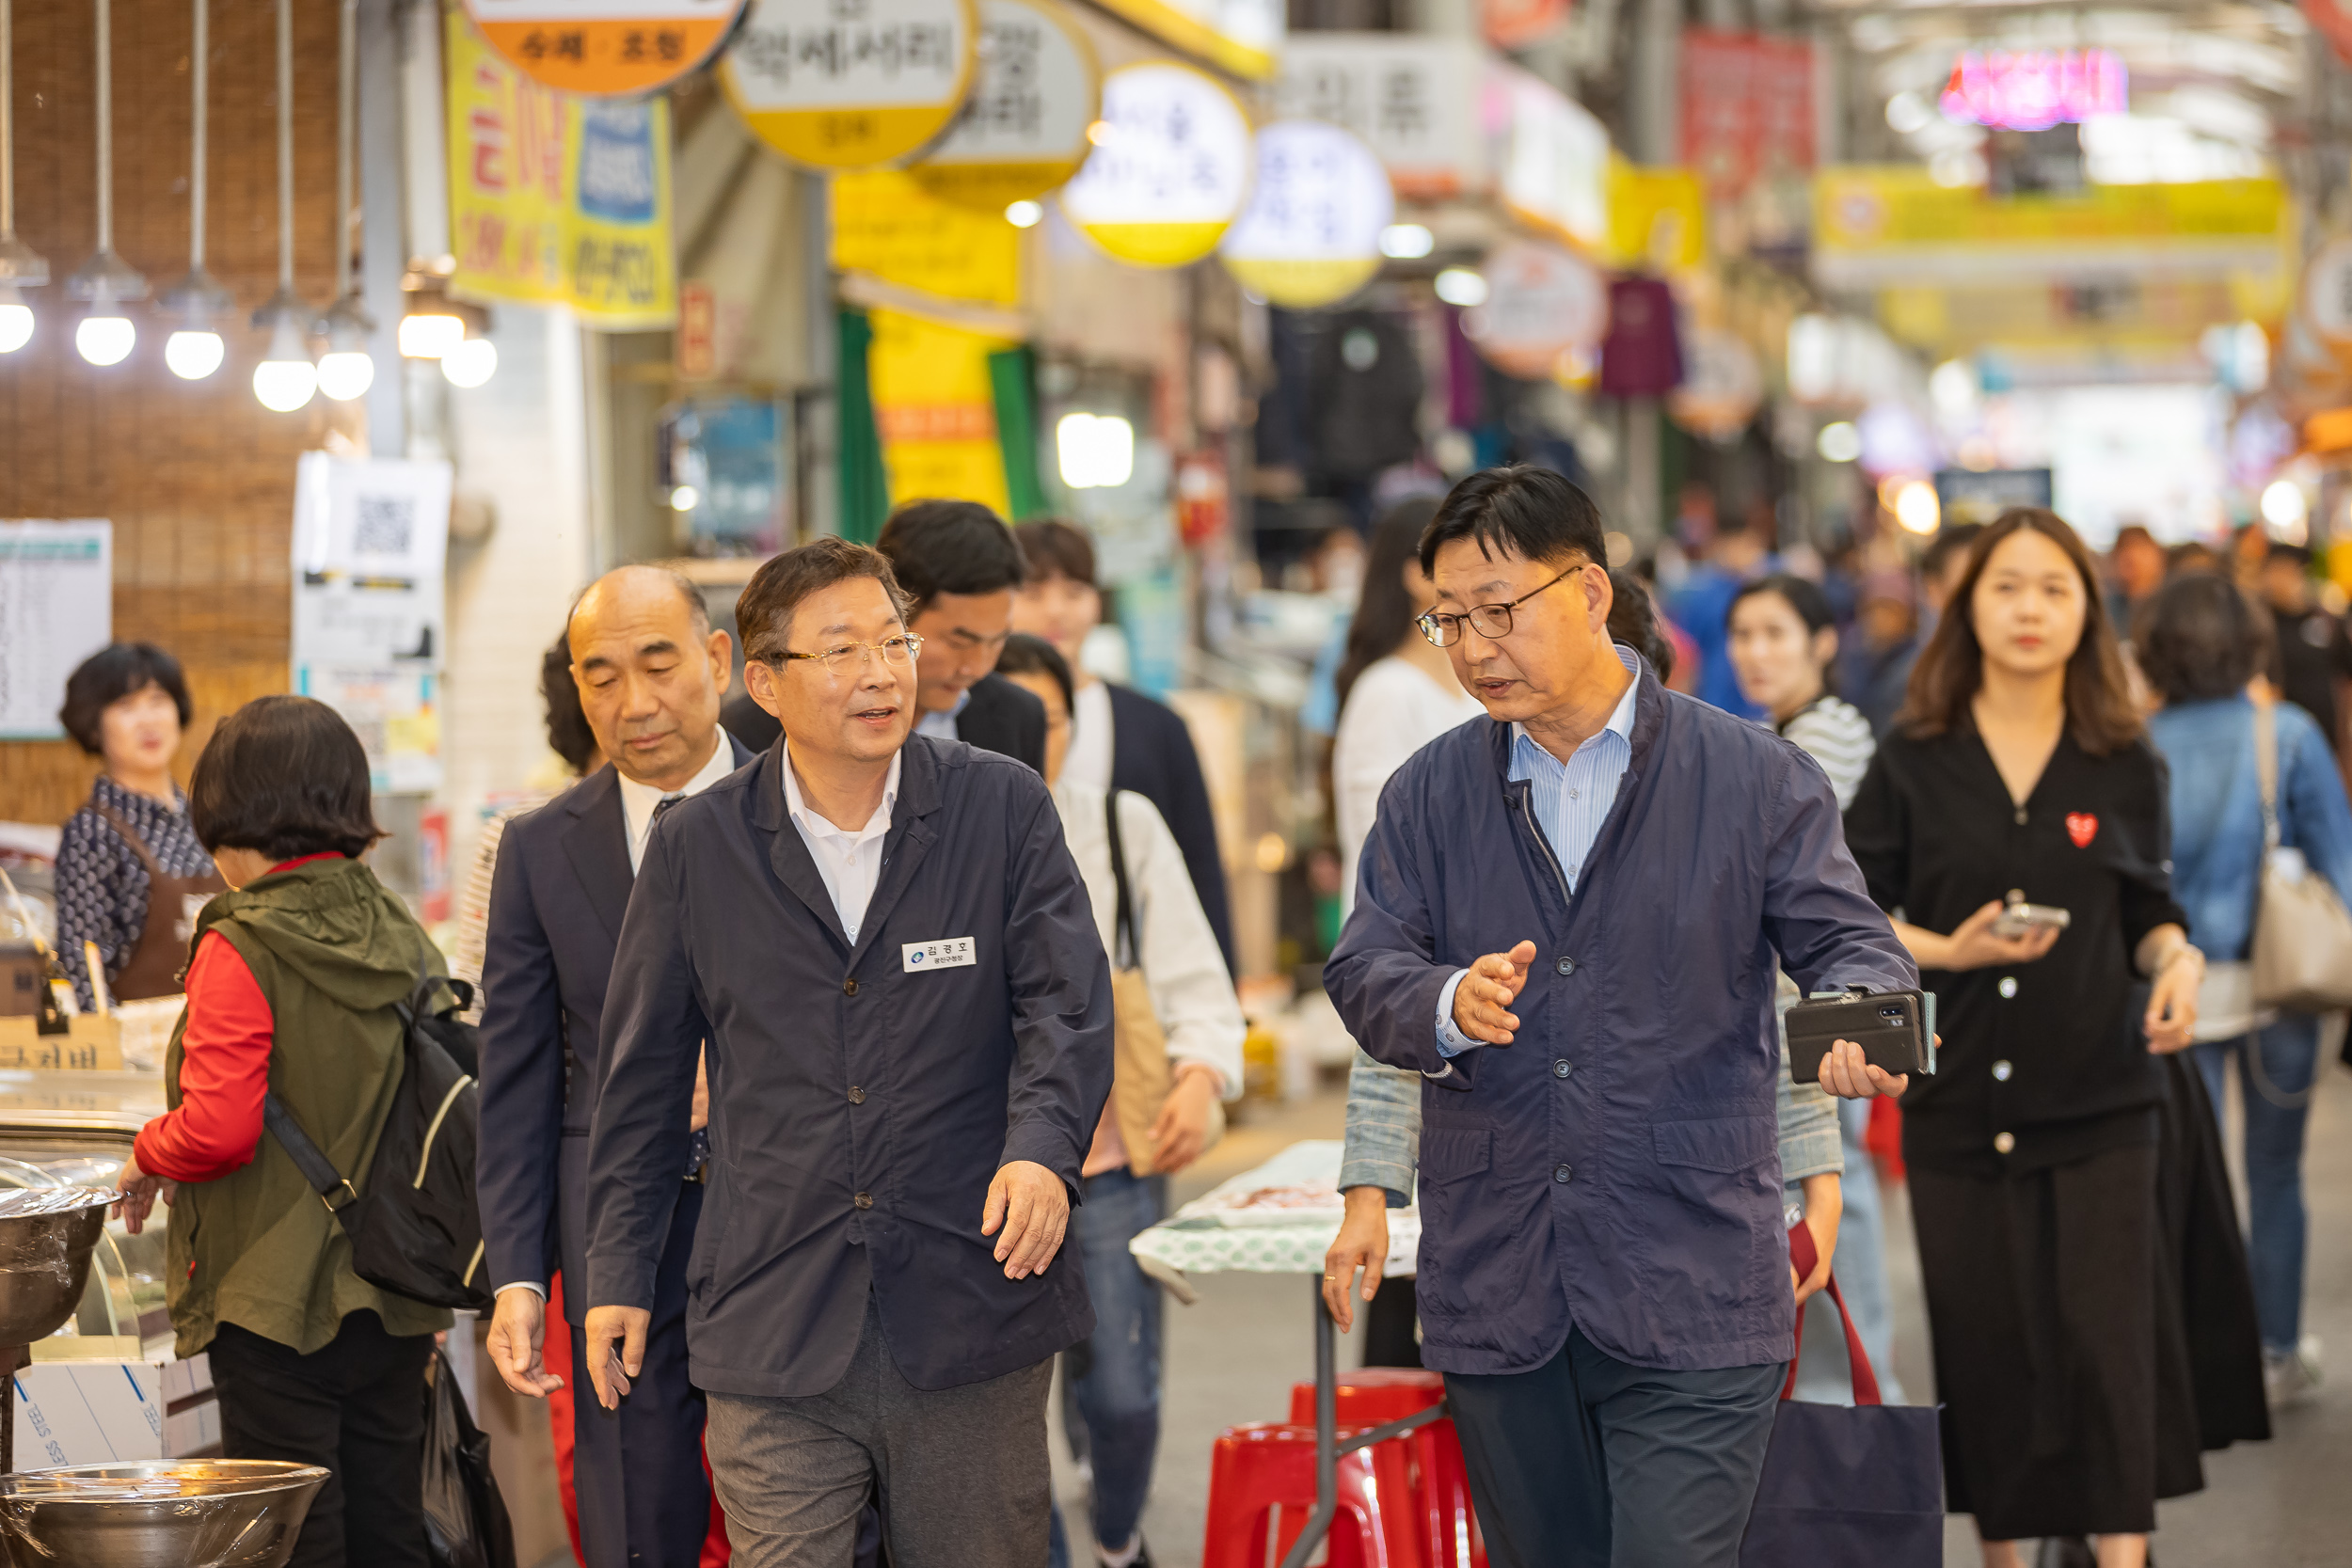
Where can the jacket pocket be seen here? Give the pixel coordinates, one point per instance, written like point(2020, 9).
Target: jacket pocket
point(1454, 1153)
point(1725, 1145)
point(1456, 1220)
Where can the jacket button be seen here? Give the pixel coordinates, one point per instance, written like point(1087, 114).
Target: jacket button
point(857, 1096)
point(849, 988)
point(1562, 1173)
point(864, 1201)
point(2003, 1142)
point(2008, 988)
point(1567, 966)
point(2001, 1071)
point(2021, 816)
point(1562, 1068)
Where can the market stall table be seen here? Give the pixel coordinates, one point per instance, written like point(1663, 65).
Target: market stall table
point(1281, 1218)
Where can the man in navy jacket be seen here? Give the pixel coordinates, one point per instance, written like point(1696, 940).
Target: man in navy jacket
point(886, 943)
point(650, 671)
point(1566, 920)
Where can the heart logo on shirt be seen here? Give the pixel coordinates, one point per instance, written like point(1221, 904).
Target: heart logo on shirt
point(2082, 828)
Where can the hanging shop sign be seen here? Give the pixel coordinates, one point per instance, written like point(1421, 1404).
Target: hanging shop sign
point(1312, 233)
point(1747, 109)
point(2032, 89)
point(1170, 167)
point(2328, 291)
point(839, 85)
point(1414, 100)
point(1544, 307)
point(555, 199)
point(1721, 386)
point(605, 48)
point(1657, 218)
point(1023, 130)
point(935, 409)
point(1516, 24)
point(1555, 157)
point(1244, 37)
point(56, 609)
point(886, 224)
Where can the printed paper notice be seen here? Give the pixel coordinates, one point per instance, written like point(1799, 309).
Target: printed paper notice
point(56, 609)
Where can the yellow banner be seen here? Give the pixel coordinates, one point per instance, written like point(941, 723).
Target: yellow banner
point(936, 410)
point(1657, 217)
point(886, 224)
point(555, 199)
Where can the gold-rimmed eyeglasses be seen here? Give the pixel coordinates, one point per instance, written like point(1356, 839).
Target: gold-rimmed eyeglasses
point(896, 651)
point(1486, 620)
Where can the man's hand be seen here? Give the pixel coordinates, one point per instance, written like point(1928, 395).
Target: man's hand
point(139, 1192)
point(1362, 1244)
point(1032, 1207)
point(1183, 1125)
point(1482, 1003)
point(518, 1332)
point(616, 1349)
point(1847, 1073)
point(1824, 1205)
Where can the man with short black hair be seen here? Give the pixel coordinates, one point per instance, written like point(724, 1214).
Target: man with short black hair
point(957, 564)
point(1566, 920)
point(2314, 653)
point(885, 941)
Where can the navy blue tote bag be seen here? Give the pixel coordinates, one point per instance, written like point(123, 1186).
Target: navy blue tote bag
point(1859, 1487)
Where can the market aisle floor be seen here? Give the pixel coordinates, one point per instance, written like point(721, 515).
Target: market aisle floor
point(2282, 1504)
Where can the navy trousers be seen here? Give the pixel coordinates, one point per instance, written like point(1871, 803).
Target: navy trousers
point(1589, 1463)
point(644, 1500)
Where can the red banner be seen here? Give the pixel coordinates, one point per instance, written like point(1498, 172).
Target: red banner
point(1747, 109)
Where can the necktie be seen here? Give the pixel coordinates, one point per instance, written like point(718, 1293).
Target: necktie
point(665, 804)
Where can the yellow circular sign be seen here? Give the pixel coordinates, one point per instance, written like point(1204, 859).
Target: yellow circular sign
point(1311, 234)
point(1023, 130)
point(1170, 167)
point(851, 85)
point(604, 48)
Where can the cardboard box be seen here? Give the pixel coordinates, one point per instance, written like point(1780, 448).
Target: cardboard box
point(94, 1045)
point(103, 1412)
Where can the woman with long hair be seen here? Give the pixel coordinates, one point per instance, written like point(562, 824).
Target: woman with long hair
point(2018, 773)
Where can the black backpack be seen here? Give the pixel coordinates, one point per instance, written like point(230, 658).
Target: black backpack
point(414, 1223)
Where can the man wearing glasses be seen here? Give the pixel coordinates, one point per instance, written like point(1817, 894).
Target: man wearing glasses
point(886, 943)
point(1565, 919)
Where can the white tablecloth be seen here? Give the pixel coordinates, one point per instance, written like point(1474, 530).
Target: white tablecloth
point(1212, 1234)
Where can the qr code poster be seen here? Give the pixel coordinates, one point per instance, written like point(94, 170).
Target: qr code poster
point(370, 544)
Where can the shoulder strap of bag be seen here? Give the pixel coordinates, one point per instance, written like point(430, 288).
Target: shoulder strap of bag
point(2266, 769)
point(1123, 933)
point(334, 1190)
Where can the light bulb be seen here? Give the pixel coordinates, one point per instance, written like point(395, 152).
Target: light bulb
point(1461, 286)
point(430, 334)
point(16, 326)
point(105, 339)
point(1840, 442)
point(193, 355)
point(685, 499)
point(1406, 241)
point(1023, 215)
point(285, 385)
point(471, 363)
point(1916, 508)
point(345, 373)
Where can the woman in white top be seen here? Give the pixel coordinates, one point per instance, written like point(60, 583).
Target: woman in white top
point(1115, 1377)
point(1782, 636)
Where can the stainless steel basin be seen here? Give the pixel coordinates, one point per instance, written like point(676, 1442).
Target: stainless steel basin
point(46, 1238)
point(158, 1513)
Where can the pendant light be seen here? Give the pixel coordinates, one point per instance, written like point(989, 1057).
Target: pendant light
point(105, 336)
point(285, 379)
point(21, 266)
point(345, 371)
point(196, 302)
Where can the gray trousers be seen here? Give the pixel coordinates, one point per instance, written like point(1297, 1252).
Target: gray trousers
point(963, 1472)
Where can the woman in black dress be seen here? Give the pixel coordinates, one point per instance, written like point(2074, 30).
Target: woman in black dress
point(2018, 772)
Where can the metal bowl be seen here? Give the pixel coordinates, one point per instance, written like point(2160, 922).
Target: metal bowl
point(46, 1238)
point(192, 1513)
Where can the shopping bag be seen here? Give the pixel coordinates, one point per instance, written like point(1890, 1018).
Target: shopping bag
point(465, 1517)
point(1859, 1487)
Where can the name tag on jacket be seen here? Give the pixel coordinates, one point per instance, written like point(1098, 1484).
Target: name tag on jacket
point(952, 953)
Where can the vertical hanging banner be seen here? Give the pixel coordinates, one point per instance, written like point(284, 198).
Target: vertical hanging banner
point(852, 84)
point(605, 48)
point(1170, 168)
point(935, 408)
point(1023, 131)
point(555, 199)
point(1747, 109)
point(1311, 234)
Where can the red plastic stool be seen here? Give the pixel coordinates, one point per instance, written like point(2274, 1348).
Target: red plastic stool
point(1263, 1466)
point(1372, 1396)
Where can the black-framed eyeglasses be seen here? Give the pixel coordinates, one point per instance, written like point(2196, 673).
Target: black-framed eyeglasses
point(897, 652)
point(1486, 620)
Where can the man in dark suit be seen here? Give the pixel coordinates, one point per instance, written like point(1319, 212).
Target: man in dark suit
point(958, 565)
point(651, 673)
point(885, 943)
point(1120, 738)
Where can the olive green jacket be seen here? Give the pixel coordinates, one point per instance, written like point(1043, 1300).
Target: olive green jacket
point(332, 951)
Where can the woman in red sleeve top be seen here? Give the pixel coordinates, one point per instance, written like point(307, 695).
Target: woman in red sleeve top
point(290, 987)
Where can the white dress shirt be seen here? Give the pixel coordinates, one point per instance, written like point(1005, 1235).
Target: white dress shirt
point(1394, 709)
point(849, 861)
point(639, 802)
point(1089, 760)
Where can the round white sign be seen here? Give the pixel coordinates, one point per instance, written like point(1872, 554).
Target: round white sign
point(851, 85)
point(1023, 131)
point(1542, 302)
point(1311, 234)
point(1170, 167)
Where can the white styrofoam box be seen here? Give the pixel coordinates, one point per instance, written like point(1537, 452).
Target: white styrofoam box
point(88, 1412)
point(184, 1380)
point(192, 1431)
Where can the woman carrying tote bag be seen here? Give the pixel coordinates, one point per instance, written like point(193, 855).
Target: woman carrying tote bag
point(2200, 644)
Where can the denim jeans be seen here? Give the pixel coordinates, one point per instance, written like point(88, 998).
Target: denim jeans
point(2285, 1060)
point(1114, 1376)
